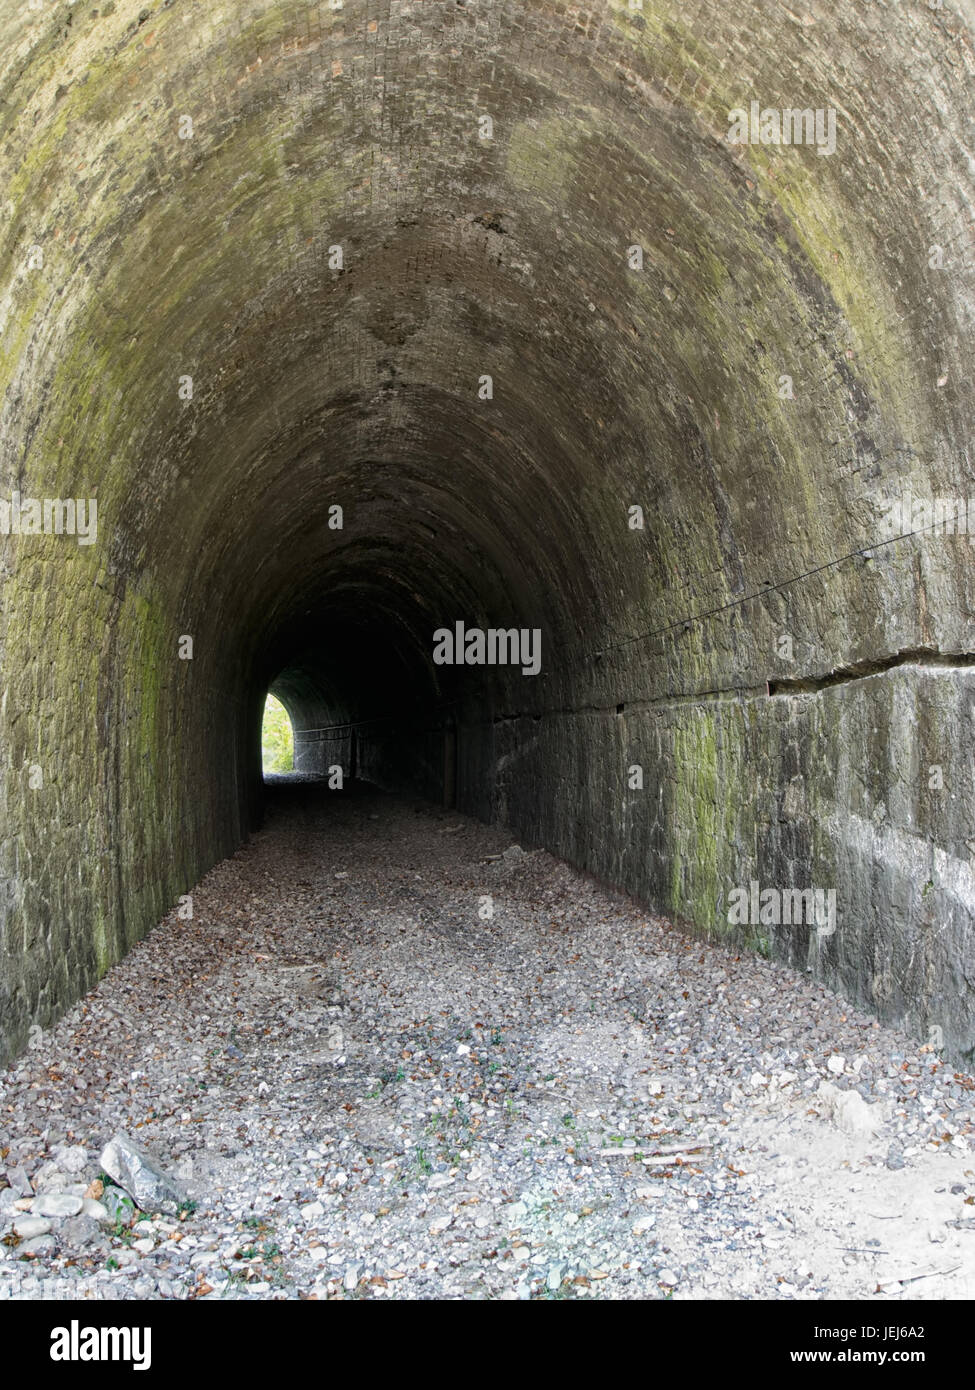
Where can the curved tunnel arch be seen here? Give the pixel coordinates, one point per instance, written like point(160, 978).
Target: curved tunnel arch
point(211, 257)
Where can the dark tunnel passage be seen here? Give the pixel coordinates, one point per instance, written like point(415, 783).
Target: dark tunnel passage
point(356, 665)
point(362, 320)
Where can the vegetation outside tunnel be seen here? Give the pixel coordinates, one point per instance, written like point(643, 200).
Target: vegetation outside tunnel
point(277, 738)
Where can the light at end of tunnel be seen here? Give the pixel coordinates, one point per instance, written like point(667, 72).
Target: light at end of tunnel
point(277, 738)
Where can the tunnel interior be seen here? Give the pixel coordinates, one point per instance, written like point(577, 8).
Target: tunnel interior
point(348, 645)
point(362, 319)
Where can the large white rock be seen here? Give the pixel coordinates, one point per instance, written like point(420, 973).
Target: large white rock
point(142, 1176)
point(848, 1110)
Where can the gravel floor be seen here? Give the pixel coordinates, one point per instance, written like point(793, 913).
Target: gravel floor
point(387, 1064)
